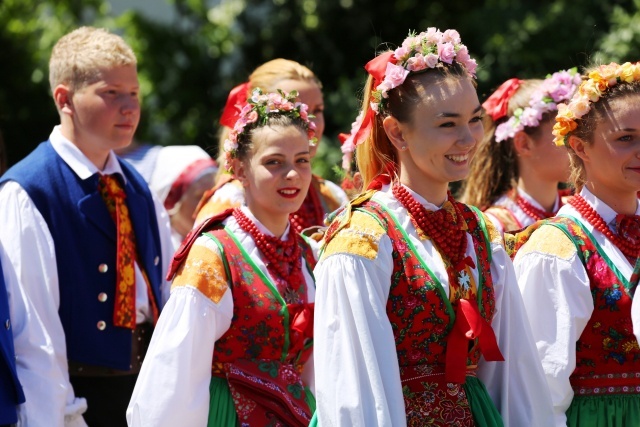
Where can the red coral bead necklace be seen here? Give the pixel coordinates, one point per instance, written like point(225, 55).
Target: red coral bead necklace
point(532, 211)
point(285, 263)
point(585, 210)
point(439, 225)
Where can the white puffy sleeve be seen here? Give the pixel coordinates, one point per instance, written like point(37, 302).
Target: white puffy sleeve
point(559, 304)
point(173, 386)
point(357, 373)
point(517, 386)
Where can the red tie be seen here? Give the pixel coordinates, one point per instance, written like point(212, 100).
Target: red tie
point(124, 312)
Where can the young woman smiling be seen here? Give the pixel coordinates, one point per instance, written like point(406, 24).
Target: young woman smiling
point(579, 271)
point(243, 291)
point(414, 287)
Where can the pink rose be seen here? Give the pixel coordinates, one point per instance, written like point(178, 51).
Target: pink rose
point(410, 42)
point(451, 36)
point(530, 117)
point(416, 63)
point(230, 146)
point(431, 60)
point(303, 113)
point(580, 106)
point(502, 132)
point(384, 87)
point(432, 35)
point(401, 53)
point(252, 117)
point(275, 98)
point(246, 109)
point(471, 66)
point(447, 52)
point(240, 124)
point(462, 55)
point(394, 75)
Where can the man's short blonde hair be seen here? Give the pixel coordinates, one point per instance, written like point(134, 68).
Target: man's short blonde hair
point(78, 57)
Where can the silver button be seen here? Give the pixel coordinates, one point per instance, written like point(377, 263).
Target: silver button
point(7, 324)
point(156, 260)
point(103, 268)
point(102, 325)
point(102, 297)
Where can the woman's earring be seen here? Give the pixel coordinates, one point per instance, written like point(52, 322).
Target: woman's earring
point(403, 148)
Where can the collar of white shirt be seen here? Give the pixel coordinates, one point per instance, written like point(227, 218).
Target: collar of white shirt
point(77, 161)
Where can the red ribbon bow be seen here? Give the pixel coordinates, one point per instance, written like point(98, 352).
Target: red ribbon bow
point(628, 227)
point(236, 100)
point(376, 68)
point(301, 321)
point(496, 105)
point(469, 325)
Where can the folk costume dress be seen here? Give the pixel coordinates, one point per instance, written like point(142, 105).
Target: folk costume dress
point(387, 311)
point(517, 210)
point(323, 197)
point(579, 291)
point(233, 345)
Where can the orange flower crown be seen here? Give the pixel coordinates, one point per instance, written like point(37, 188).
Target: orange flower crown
point(590, 91)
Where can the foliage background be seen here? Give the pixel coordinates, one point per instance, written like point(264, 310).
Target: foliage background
point(187, 65)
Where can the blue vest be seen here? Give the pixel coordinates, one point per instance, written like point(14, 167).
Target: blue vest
point(11, 394)
point(84, 235)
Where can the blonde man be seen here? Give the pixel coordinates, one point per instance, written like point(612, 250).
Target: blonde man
point(86, 244)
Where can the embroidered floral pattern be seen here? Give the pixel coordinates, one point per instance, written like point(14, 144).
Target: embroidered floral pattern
point(421, 319)
point(260, 351)
point(113, 194)
point(607, 353)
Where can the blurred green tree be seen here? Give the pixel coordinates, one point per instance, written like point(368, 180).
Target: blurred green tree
point(188, 65)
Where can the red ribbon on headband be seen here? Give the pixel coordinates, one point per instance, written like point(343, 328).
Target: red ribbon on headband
point(496, 105)
point(236, 100)
point(376, 69)
point(184, 180)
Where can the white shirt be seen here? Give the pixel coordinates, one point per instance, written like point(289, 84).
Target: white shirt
point(521, 216)
point(31, 276)
point(173, 385)
point(357, 372)
point(559, 302)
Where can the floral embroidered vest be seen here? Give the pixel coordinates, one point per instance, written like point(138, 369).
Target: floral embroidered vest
point(263, 352)
point(607, 353)
point(422, 317)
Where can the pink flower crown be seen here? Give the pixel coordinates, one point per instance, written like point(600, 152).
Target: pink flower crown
point(417, 53)
point(258, 109)
point(599, 81)
point(389, 70)
point(558, 87)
